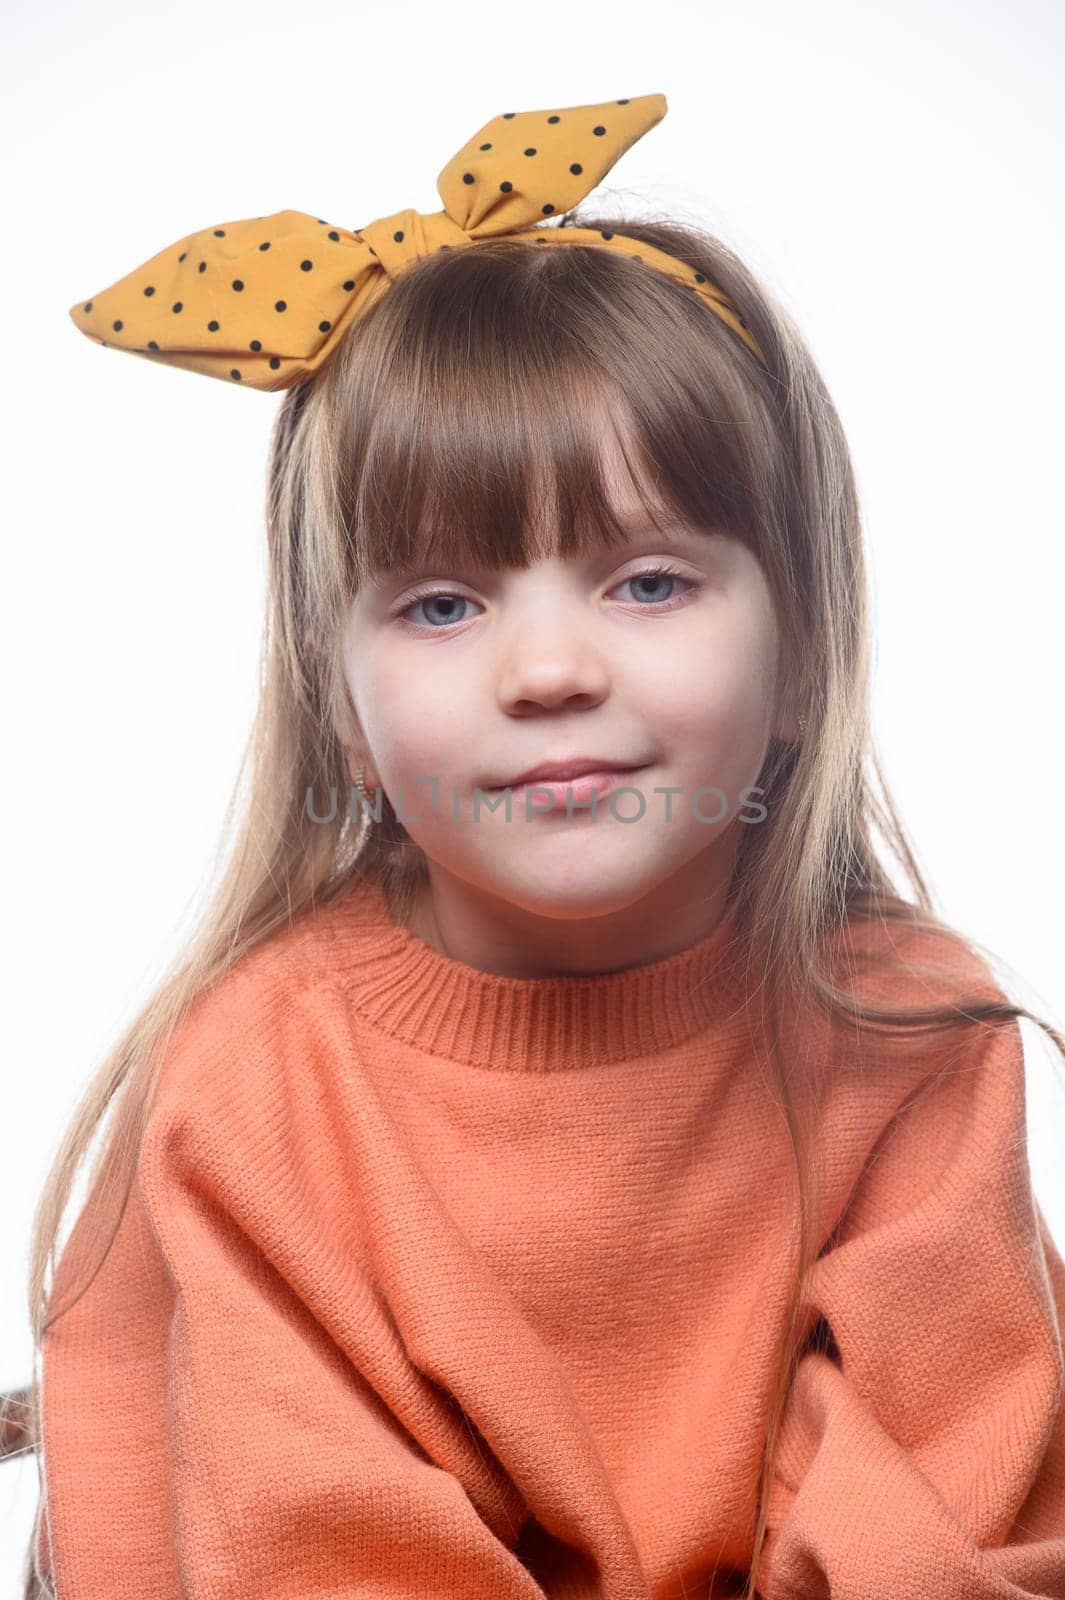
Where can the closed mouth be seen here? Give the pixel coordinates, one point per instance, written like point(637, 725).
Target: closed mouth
point(576, 777)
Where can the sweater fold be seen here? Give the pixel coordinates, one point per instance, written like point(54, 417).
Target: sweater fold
point(434, 1282)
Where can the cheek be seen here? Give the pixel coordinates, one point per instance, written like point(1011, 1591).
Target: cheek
point(414, 722)
point(712, 705)
point(717, 683)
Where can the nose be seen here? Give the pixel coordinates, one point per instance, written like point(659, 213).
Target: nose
point(551, 660)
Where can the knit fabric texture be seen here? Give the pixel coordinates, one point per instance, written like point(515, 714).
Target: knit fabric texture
point(436, 1282)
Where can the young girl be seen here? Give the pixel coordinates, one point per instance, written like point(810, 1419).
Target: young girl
point(564, 1164)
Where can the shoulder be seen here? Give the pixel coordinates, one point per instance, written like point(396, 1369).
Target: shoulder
point(962, 1041)
point(906, 958)
point(248, 1040)
point(260, 1100)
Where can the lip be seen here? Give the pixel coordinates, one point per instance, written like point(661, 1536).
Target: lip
point(584, 790)
point(563, 771)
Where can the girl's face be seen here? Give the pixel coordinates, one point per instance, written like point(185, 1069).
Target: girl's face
point(470, 678)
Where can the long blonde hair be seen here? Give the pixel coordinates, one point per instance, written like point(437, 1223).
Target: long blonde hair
point(465, 393)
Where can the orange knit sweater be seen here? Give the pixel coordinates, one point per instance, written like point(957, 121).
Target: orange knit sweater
point(435, 1282)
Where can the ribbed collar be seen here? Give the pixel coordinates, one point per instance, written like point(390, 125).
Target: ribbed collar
point(452, 1010)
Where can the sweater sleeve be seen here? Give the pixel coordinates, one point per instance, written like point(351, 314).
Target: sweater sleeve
point(217, 1427)
point(927, 1462)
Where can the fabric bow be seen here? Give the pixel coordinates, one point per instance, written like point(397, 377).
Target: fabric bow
point(265, 300)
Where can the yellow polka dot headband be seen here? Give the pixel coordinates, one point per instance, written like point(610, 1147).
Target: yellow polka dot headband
point(265, 301)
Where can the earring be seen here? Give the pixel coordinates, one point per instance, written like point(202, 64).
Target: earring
point(360, 784)
point(802, 724)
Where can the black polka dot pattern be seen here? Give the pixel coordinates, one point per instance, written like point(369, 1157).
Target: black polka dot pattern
point(306, 278)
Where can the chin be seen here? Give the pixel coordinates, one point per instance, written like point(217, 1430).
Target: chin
point(580, 894)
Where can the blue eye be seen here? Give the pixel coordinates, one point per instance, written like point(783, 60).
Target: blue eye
point(450, 601)
point(653, 574)
point(443, 596)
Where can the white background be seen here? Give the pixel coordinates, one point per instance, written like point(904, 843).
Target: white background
point(893, 173)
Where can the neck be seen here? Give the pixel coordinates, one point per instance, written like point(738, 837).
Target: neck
point(485, 931)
